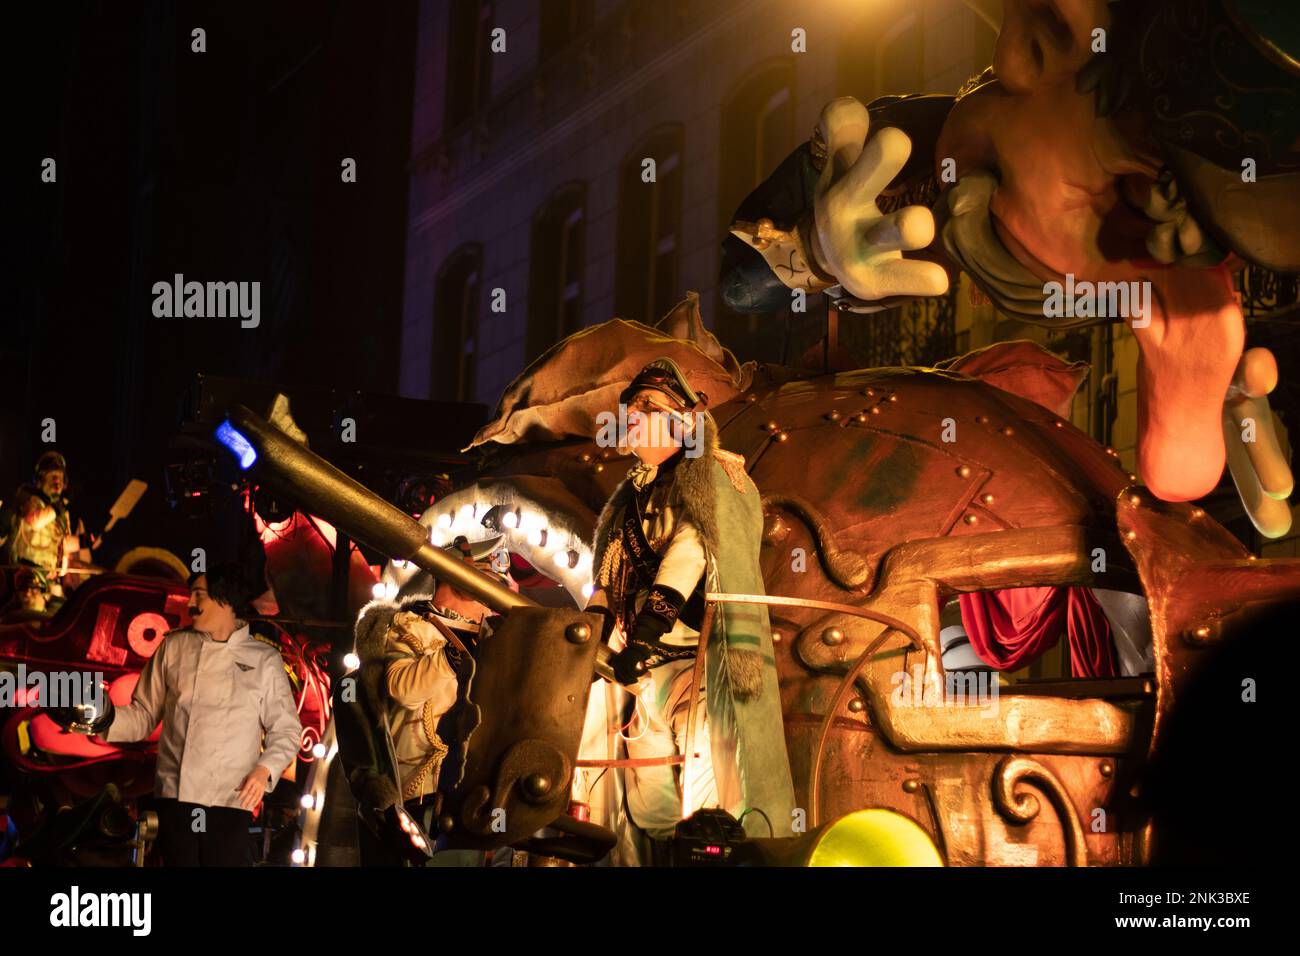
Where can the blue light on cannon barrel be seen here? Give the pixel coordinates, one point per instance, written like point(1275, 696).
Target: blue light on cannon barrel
point(239, 446)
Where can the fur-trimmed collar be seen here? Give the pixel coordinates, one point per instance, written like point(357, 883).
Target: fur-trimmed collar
point(372, 624)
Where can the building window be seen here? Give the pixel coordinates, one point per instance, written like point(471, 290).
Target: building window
point(556, 268)
point(561, 21)
point(455, 325)
point(899, 58)
point(649, 229)
point(469, 59)
point(880, 51)
point(757, 134)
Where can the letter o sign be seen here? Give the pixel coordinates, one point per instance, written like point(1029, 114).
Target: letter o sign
point(145, 632)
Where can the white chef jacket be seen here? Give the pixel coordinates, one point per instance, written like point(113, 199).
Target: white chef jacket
point(216, 700)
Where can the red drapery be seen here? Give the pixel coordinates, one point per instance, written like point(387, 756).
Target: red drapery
point(1011, 629)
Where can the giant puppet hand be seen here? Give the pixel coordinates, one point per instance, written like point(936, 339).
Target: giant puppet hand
point(1258, 466)
point(848, 242)
point(853, 240)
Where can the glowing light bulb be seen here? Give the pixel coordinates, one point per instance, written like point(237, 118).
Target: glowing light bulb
point(351, 661)
point(378, 590)
point(444, 520)
point(318, 751)
point(300, 856)
point(308, 801)
point(537, 537)
point(588, 589)
point(510, 519)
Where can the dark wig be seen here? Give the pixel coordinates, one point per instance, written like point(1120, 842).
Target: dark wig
point(228, 585)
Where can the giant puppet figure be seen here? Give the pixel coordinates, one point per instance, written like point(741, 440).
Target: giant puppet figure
point(1150, 145)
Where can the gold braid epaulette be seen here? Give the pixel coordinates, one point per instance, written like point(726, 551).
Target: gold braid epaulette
point(411, 788)
point(734, 466)
point(270, 641)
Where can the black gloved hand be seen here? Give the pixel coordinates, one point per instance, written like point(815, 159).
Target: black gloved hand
point(629, 663)
point(375, 795)
point(91, 718)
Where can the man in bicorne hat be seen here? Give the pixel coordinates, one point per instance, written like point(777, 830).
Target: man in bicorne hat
point(686, 520)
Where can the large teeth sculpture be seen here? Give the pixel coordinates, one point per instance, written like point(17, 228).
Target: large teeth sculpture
point(550, 542)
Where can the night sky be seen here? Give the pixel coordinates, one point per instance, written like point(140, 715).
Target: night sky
point(224, 166)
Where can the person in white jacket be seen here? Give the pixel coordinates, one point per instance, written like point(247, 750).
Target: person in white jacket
point(229, 725)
